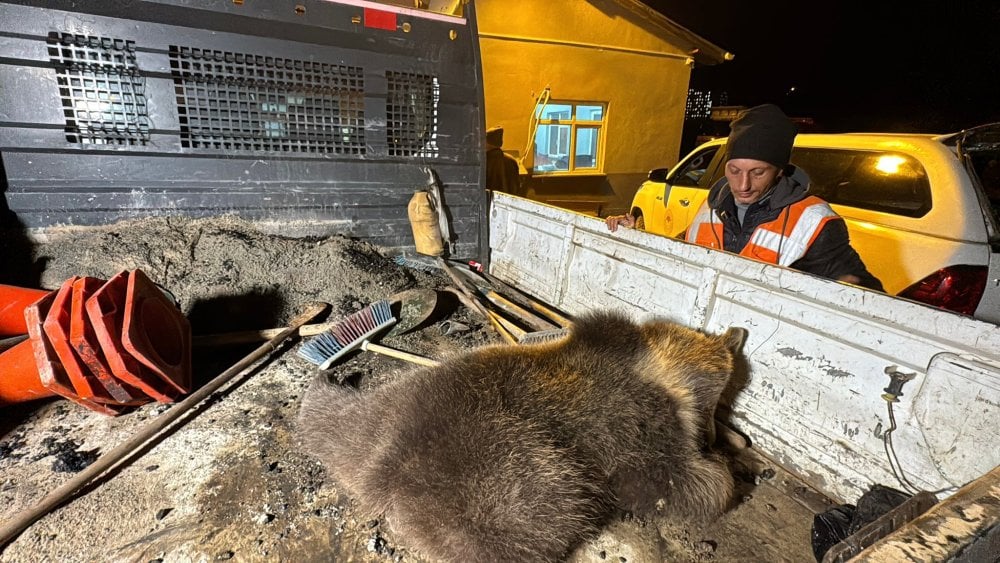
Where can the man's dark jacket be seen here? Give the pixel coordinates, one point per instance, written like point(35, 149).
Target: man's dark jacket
point(502, 172)
point(830, 255)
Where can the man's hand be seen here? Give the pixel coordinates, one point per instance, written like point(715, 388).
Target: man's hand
point(614, 221)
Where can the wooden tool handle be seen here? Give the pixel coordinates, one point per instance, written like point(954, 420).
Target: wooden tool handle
point(560, 320)
point(487, 288)
point(533, 303)
point(500, 328)
point(514, 330)
point(25, 518)
point(369, 346)
point(471, 302)
point(248, 336)
point(527, 317)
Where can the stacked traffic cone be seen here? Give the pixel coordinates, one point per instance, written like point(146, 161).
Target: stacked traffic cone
point(106, 345)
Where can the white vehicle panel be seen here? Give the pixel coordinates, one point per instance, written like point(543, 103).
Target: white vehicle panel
point(817, 350)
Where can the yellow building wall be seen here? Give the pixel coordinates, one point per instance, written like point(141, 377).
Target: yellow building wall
point(583, 50)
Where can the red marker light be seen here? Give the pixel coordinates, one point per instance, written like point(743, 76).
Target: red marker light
point(379, 19)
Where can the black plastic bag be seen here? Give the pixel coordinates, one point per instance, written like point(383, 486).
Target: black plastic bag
point(839, 522)
point(830, 528)
point(873, 504)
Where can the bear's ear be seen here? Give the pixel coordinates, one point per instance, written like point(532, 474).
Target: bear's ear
point(734, 339)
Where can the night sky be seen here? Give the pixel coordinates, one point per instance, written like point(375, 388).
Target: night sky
point(877, 65)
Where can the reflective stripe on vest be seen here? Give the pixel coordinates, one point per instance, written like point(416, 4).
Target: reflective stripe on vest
point(802, 220)
point(705, 229)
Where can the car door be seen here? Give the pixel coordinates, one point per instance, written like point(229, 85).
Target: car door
point(688, 187)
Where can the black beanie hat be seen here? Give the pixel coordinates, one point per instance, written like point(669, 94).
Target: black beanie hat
point(762, 133)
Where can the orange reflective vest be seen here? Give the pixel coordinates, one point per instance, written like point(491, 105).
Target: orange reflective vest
point(781, 241)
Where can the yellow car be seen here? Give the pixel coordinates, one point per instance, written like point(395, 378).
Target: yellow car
point(917, 207)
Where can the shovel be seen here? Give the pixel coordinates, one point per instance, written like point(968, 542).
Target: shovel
point(412, 307)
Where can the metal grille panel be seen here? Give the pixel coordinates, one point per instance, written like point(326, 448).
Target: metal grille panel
point(412, 114)
point(103, 95)
point(237, 101)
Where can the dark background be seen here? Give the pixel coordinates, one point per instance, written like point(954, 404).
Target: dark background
point(888, 66)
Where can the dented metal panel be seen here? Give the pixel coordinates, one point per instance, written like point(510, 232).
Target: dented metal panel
point(818, 350)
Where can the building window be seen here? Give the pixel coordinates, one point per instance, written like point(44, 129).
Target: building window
point(699, 105)
point(568, 138)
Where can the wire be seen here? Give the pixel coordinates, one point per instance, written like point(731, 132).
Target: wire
point(890, 453)
point(543, 99)
point(711, 221)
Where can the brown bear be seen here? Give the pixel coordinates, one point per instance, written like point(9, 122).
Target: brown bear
point(519, 453)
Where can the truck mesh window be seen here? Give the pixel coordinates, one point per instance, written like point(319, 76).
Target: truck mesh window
point(103, 94)
point(237, 101)
point(411, 109)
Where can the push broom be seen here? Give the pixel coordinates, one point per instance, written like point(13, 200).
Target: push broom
point(355, 332)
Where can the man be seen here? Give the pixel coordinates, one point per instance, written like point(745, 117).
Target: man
point(762, 209)
point(502, 171)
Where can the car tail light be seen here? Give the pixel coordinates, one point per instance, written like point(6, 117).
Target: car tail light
point(955, 288)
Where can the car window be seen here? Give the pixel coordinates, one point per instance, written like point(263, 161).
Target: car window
point(878, 181)
point(985, 161)
point(693, 169)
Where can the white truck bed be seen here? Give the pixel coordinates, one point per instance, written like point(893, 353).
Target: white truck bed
point(818, 351)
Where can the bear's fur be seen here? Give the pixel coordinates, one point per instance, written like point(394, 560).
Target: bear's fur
point(518, 453)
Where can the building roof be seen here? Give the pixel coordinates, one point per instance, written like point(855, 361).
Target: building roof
point(700, 49)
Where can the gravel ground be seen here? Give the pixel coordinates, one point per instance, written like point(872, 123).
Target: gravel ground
point(227, 481)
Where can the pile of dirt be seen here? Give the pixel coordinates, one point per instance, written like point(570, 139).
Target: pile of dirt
point(227, 480)
point(226, 274)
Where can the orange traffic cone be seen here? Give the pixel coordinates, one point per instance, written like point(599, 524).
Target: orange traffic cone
point(13, 301)
point(19, 380)
point(50, 370)
point(106, 308)
point(103, 345)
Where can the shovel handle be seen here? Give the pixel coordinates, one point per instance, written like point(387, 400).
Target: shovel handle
point(514, 330)
point(545, 311)
point(247, 336)
point(535, 305)
point(521, 313)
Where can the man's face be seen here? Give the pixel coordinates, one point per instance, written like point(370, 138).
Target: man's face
point(750, 179)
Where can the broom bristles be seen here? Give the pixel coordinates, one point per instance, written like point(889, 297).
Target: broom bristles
point(326, 348)
point(543, 336)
